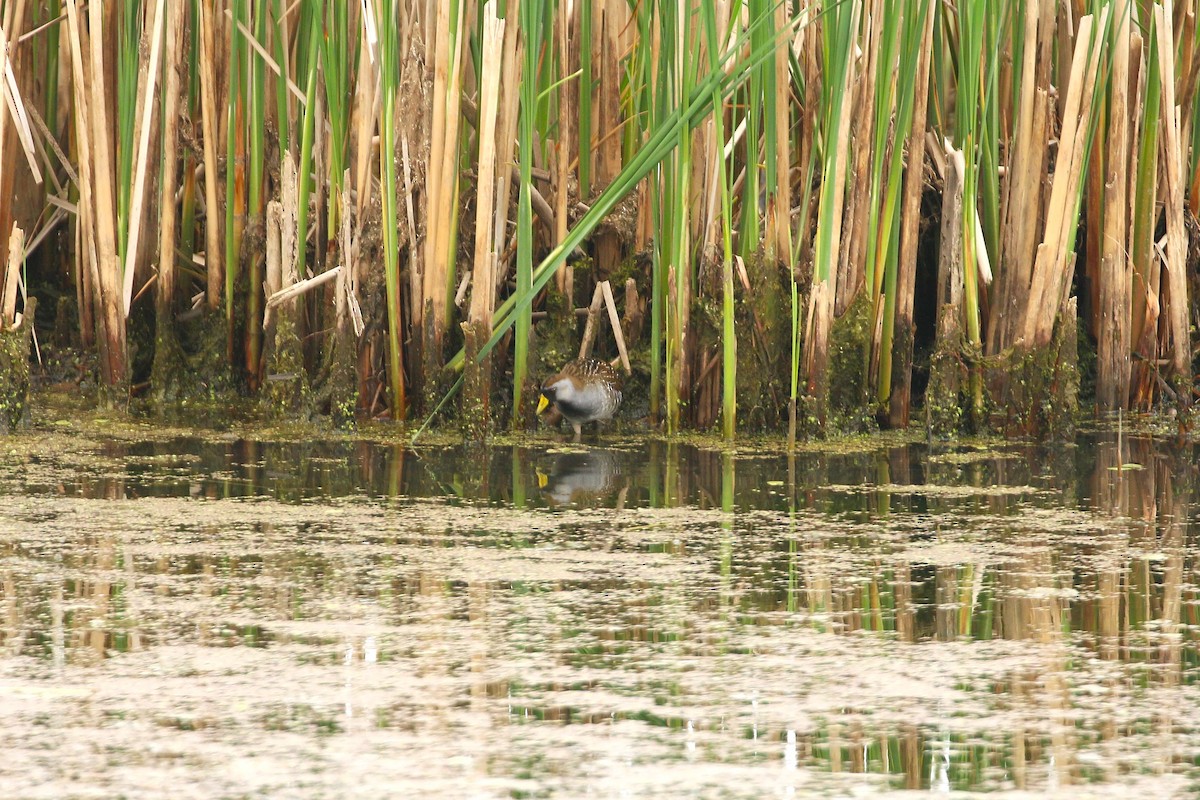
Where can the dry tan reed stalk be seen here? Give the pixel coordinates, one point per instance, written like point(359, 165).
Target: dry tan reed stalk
point(289, 222)
point(564, 146)
point(1113, 332)
point(506, 128)
point(416, 269)
point(781, 210)
point(1020, 188)
point(593, 316)
point(209, 111)
point(300, 287)
point(147, 105)
point(355, 266)
point(852, 257)
point(1173, 203)
point(950, 259)
point(441, 182)
point(170, 130)
point(13, 20)
point(102, 206)
point(364, 119)
point(89, 270)
point(483, 295)
point(807, 56)
point(613, 15)
point(18, 114)
point(709, 162)
point(273, 268)
point(12, 274)
point(910, 230)
point(615, 321)
point(273, 273)
point(1051, 271)
point(48, 139)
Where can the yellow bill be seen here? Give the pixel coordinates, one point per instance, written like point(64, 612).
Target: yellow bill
point(542, 403)
point(542, 478)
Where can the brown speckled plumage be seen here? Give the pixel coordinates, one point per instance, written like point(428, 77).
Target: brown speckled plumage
point(585, 390)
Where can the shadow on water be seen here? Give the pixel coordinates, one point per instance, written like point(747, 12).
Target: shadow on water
point(643, 619)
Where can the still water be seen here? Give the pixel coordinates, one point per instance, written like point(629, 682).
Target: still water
point(228, 618)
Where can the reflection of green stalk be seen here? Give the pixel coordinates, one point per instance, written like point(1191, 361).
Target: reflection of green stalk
point(793, 582)
point(727, 497)
point(389, 72)
point(518, 478)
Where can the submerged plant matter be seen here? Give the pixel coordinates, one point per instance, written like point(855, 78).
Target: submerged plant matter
point(455, 158)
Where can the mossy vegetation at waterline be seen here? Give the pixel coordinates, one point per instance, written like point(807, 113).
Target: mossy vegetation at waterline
point(811, 215)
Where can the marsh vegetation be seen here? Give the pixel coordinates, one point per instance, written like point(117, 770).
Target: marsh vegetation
point(800, 215)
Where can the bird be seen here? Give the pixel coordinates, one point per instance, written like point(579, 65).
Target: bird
point(585, 390)
point(586, 479)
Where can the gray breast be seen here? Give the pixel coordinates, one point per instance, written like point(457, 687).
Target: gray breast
point(596, 401)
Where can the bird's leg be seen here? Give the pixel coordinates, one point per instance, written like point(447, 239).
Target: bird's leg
point(578, 431)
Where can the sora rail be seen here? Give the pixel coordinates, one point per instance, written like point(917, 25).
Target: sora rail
point(585, 390)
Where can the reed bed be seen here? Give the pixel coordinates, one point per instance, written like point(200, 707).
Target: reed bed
point(771, 183)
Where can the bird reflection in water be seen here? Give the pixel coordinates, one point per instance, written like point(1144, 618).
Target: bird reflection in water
point(590, 477)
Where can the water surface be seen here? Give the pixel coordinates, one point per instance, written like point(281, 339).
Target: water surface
point(627, 619)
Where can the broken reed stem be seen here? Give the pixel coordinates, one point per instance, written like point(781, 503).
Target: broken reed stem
point(589, 329)
point(17, 111)
point(615, 321)
point(299, 288)
point(12, 274)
